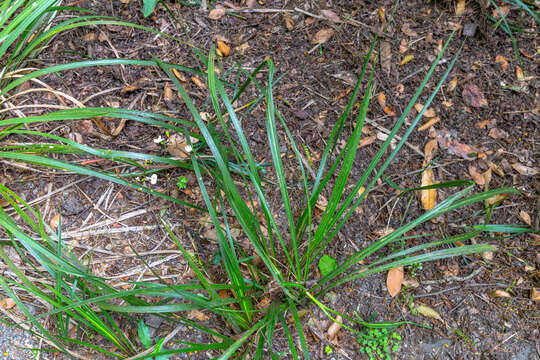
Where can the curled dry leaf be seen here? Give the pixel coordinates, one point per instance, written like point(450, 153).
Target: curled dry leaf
point(223, 48)
point(452, 84)
point(525, 217)
point(480, 178)
point(427, 311)
point(429, 123)
point(473, 96)
point(55, 221)
point(386, 57)
point(368, 140)
point(334, 328)
point(428, 197)
point(217, 13)
point(330, 15)
point(289, 23)
point(198, 82)
point(394, 280)
point(429, 113)
point(322, 36)
point(497, 133)
point(502, 60)
point(525, 170)
point(167, 92)
point(177, 145)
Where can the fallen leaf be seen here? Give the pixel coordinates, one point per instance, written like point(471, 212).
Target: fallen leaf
point(407, 59)
point(479, 178)
point(501, 9)
point(429, 113)
point(445, 140)
point(197, 314)
point(198, 82)
point(406, 29)
point(502, 60)
point(453, 84)
point(217, 13)
point(55, 221)
point(429, 123)
point(473, 96)
point(428, 197)
point(496, 169)
point(496, 199)
point(167, 92)
point(483, 124)
point(487, 255)
point(330, 15)
point(411, 282)
point(289, 23)
point(525, 217)
point(368, 140)
point(242, 48)
point(223, 48)
point(334, 328)
point(381, 98)
point(500, 293)
point(90, 37)
point(7, 303)
point(394, 280)
point(524, 170)
point(177, 145)
point(403, 46)
point(535, 294)
point(321, 203)
point(460, 7)
point(519, 73)
point(427, 311)
point(497, 133)
point(322, 36)
point(386, 57)
point(429, 151)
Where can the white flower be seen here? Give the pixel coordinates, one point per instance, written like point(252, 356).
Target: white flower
point(159, 140)
point(153, 179)
point(188, 149)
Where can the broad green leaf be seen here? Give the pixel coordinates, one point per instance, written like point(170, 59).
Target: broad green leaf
point(327, 264)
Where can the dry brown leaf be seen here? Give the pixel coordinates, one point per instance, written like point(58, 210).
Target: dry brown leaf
point(429, 150)
point(535, 294)
point(407, 59)
point(90, 37)
point(386, 57)
point(453, 84)
point(197, 314)
point(389, 111)
point(496, 199)
point(473, 96)
point(55, 221)
point(444, 137)
point(483, 124)
point(429, 113)
point(322, 36)
point(7, 303)
point(406, 29)
point(429, 123)
point(480, 178)
point(367, 141)
point(167, 92)
point(500, 293)
point(497, 133)
point(504, 9)
point(330, 15)
point(411, 282)
point(223, 48)
point(241, 49)
point(178, 147)
point(217, 13)
point(496, 169)
point(502, 60)
point(460, 7)
point(525, 170)
point(381, 98)
point(334, 328)
point(525, 217)
point(403, 46)
point(519, 73)
point(198, 82)
point(321, 203)
point(428, 197)
point(394, 280)
point(289, 23)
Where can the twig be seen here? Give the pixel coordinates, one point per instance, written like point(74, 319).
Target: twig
point(454, 278)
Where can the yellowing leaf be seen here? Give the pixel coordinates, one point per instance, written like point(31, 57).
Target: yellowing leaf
point(394, 280)
point(429, 123)
point(407, 59)
point(428, 197)
point(460, 7)
point(429, 312)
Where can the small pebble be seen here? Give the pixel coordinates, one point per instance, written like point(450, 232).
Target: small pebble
point(469, 29)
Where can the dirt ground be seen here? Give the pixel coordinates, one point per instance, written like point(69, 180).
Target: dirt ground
point(483, 104)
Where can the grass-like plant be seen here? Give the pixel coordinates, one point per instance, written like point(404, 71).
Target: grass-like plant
point(282, 270)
